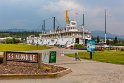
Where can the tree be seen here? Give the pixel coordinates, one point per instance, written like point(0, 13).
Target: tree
point(107, 42)
point(8, 41)
point(12, 41)
point(116, 40)
point(93, 38)
point(98, 40)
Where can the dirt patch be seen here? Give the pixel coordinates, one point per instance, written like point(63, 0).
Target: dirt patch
point(28, 68)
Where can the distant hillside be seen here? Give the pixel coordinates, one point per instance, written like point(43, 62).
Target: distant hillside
point(15, 30)
point(23, 30)
point(102, 34)
point(94, 33)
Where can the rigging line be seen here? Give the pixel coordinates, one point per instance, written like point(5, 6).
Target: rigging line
point(48, 18)
point(58, 22)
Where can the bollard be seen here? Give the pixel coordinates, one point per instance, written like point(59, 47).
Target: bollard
point(62, 53)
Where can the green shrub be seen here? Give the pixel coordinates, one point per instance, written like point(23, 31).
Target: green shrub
point(122, 49)
point(12, 41)
point(79, 46)
point(99, 49)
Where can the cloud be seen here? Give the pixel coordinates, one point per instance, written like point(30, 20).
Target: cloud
point(62, 5)
point(57, 8)
point(31, 12)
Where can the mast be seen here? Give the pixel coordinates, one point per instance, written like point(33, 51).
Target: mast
point(42, 28)
point(43, 25)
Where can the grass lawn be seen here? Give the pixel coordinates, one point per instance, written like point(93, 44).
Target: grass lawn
point(20, 47)
point(116, 57)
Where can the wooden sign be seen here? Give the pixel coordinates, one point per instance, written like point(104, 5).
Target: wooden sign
point(21, 56)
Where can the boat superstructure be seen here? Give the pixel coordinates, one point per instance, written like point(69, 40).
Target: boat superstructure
point(67, 36)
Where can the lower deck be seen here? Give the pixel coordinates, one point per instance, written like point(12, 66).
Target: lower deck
point(56, 41)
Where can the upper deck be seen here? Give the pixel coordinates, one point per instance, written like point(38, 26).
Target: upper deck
point(71, 30)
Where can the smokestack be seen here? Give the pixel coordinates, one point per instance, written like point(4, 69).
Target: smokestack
point(54, 24)
point(83, 20)
point(67, 19)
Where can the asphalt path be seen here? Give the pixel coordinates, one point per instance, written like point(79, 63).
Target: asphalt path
point(84, 71)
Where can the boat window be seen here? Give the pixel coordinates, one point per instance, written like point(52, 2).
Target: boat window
point(73, 23)
point(52, 40)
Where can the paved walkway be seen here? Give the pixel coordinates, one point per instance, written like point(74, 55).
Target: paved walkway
point(84, 71)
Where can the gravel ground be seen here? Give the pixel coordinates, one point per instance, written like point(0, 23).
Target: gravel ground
point(84, 71)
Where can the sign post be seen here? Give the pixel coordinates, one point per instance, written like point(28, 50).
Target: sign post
point(39, 60)
point(90, 55)
point(5, 58)
point(90, 47)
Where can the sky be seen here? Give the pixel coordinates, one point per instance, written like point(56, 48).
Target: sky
point(29, 14)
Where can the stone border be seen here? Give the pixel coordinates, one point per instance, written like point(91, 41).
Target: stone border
point(35, 76)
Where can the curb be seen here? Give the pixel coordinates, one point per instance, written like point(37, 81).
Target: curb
point(35, 76)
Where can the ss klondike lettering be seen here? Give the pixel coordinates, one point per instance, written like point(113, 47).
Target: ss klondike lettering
point(28, 57)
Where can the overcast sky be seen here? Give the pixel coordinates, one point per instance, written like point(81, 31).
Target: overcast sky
point(29, 14)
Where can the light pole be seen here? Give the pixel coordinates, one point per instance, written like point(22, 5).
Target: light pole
point(105, 26)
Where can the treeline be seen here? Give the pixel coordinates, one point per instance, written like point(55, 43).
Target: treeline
point(111, 41)
point(22, 35)
point(11, 41)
